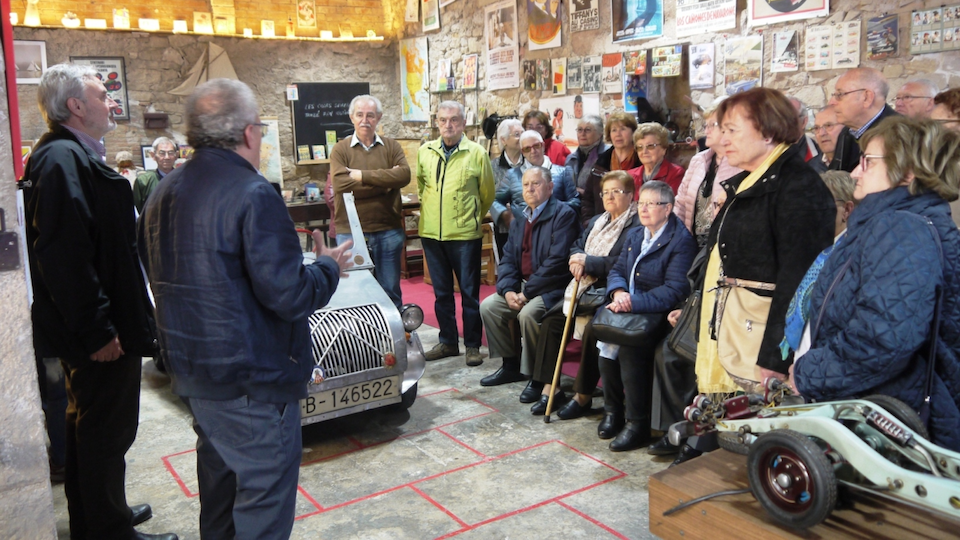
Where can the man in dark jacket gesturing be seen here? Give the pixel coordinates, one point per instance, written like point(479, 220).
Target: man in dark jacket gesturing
point(233, 297)
point(531, 278)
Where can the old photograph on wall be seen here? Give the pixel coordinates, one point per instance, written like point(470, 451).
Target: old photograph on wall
point(637, 19)
point(590, 70)
point(574, 80)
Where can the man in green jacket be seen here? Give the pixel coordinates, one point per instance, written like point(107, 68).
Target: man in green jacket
point(456, 187)
point(165, 154)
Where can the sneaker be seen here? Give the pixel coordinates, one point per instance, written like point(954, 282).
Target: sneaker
point(473, 356)
point(441, 350)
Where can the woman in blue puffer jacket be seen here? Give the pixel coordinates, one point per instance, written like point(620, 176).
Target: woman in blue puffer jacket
point(872, 305)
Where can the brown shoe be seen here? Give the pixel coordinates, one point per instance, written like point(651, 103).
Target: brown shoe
point(441, 350)
point(473, 357)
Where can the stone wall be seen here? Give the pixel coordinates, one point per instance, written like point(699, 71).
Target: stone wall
point(26, 502)
point(156, 63)
point(462, 33)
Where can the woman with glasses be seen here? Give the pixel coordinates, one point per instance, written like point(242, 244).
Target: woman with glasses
point(876, 298)
point(591, 258)
point(651, 141)
point(702, 180)
point(539, 121)
point(650, 276)
point(620, 157)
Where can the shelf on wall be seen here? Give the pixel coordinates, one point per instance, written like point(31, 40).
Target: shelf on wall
point(313, 162)
point(172, 33)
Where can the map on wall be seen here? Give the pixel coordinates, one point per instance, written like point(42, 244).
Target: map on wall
point(414, 80)
point(270, 150)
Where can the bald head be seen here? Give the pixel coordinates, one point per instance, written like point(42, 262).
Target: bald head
point(915, 98)
point(859, 95)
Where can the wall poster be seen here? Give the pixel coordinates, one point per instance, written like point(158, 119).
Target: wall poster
point(571, 109)
point(590, 71)
point(573, 72)
point(612, 73)
point(786, 51)
point(544, 75)
point(559, 68)
point(503, 53)
point(543, 24)
point(934, 30)
point(412, 11)
point(414, 80)
point(637, 19)
point(761, 12)
point(742, 64)
point(584, 15)
point(699, 17)
point(30, 58)
point(667, 61)
point(113, 75)
point(832, 46)
point(430, 11)
point(470, 71)
point(306, 14)
point(883, 37)
point(702, 67)
point(529, 74)
point(270, 150)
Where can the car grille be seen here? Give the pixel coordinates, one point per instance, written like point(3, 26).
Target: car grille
point(349, 340)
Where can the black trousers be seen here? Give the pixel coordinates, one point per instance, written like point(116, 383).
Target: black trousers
point(548, 349)
point(102, 414)
point(674, 386)
point(628, 383)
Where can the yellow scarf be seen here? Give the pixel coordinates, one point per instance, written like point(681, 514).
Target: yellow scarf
point(711, 377)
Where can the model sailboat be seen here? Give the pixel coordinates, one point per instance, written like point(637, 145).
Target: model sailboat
point(213, 64)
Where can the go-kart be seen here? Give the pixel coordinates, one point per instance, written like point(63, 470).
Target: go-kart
point(798, 454)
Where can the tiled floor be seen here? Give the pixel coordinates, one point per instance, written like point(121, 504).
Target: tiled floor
point(465, 461)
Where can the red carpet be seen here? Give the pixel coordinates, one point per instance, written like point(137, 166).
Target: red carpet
point(415, 291)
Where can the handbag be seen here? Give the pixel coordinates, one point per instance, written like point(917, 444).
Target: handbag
point(683, 338)
point(741, 318)
point(592, 300)
point(631, 329)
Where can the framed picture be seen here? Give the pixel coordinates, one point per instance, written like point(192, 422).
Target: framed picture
point(31, 60)
point(148, 163)
point(113, 74)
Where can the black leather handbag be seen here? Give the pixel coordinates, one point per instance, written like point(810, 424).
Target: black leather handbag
point(683, 338)
point(632, 329)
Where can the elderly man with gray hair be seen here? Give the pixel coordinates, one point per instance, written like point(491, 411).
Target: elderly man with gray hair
point(90, 306)
point(374, 169)
point(233, 297)
point(859, 99)
point(165, 153)
point(915, 98)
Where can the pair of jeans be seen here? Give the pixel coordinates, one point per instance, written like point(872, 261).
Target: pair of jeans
point(445, 259)
point(386, 250)
point(248, 464)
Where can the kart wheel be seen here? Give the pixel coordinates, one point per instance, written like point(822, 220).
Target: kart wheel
point(730, 441)
point(408, 397)
point(902, 412)
point(792, 478)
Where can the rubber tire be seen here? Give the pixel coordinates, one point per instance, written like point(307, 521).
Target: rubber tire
point(818, 470)
point(730, 441)
point(408, 397)
point(902, 412)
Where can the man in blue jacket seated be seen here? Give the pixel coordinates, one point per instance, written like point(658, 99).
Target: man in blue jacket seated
point(531, 278)
point(233, 297)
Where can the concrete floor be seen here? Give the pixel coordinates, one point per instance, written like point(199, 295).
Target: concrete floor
point(465, 461)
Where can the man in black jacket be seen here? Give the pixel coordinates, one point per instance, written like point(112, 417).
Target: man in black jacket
point(90, 306)
point(233, 297)
point(859, 100)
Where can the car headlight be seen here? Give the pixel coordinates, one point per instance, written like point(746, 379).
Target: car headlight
point(412, 316)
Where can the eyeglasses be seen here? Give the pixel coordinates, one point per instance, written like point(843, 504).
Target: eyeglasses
point(650, 147)
point(710, 125)
point(645, 204)
point(586, 130)
point(865, 160)
point(839, 95)
point(825, 127)
point(528, 149)
point(611, 192)
point(263, 127)
point(904, 98)
point(164, 153)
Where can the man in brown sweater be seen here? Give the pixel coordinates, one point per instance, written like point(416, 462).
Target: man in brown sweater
point(374, 169)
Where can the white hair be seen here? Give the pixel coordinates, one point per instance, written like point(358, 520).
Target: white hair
point(453, 105)
point(365, 97)
point(503, 130)
point(531, 134)
point(163, 140)
point(58, 84)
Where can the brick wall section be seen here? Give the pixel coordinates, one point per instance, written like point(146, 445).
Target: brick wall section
point(357, 15)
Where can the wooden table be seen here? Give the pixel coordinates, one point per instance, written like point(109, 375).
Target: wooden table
point(303, 212)
point(741, 517)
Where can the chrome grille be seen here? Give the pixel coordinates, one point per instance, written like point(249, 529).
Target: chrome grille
point(349, 340)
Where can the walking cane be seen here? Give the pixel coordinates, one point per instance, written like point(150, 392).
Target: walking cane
point(563, 345)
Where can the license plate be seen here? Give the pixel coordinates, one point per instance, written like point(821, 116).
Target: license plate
point(349, 396)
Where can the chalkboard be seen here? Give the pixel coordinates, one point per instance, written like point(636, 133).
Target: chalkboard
point(322, 107)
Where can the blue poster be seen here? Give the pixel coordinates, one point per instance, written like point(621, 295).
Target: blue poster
point(637, 19)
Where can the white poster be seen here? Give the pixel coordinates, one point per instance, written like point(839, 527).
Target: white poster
point(786, 51)
point(503, 53)
point(543, 24)
point(412, 11)
point(612, 73)
point(833, 46)
point(760, 12)
point(590, 73)
point(565, 112)
point(702, 66)
point(584, 15)
point(702, 16)
point(817, 48)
